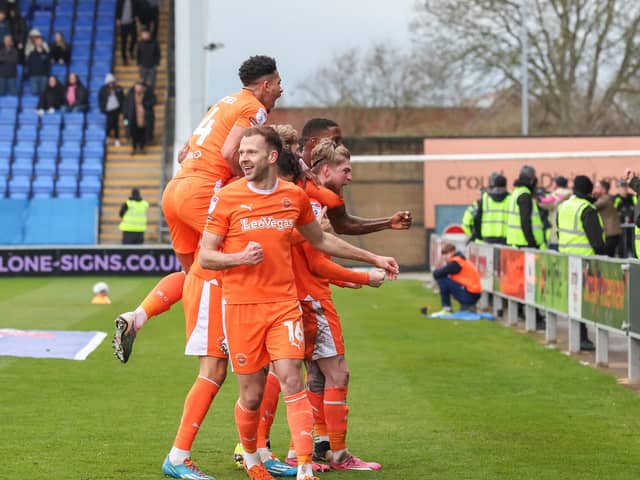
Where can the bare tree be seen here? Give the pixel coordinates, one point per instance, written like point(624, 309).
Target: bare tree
point(583, 62)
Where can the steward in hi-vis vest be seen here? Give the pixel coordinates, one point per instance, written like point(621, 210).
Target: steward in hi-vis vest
point(492, 212)
point(134, 219)
point(524, 225)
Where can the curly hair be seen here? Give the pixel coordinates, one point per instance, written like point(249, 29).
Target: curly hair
point(256, 67)
point(288, 135)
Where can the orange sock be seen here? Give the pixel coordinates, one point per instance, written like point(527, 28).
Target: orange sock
point(300, 419)
point(166, 292)
point(336, 411)
point(317, 404)
point(247, 425)
point(268, 408)
point(196, 406)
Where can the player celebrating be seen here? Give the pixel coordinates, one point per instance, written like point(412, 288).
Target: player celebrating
point(211, 161)
point(252, 221)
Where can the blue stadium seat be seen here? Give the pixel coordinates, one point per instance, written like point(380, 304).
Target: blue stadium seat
point(53, 120)
point(69, 166)
point(28, 117)
point(8, 102)
point(41, 4)
point(94, 148)
point(27, 133)
point(59, 71)
point(92, 166)
point(5, 150)
point(90, 186)
point(72, 135)
point(4, 168)
point(42, 16)
point(95, 133)
point(24, 149)
point(3, 193)
point(22, 166)
point(47, 149)
point(46, 165)
point(42, 186)
point(49, 134)
point(20, 186)
point(70, 150)
point(73, 120)
point(6, 131)
point(97, 119)
point(66, 186)
point(28, 102)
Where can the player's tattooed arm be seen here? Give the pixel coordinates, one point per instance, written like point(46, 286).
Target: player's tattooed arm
point(347, 224)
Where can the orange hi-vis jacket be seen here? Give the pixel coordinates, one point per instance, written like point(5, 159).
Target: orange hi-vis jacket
point(468, 276)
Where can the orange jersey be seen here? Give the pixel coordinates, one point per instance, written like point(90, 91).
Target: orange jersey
point(242, 214)
point(324, 196)
point(205, 145)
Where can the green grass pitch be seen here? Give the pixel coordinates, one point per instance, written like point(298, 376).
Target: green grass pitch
point(428, 398)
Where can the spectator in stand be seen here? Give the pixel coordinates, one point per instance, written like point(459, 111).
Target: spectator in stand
point(8, 66)
point(559, 193)
point(76, 95)
point(148, 58)
point(52, 97)
point(38, 63)
point(111, 100)
point(18, 30)
point(127, 11)
point(139, 116)
point(60, 51)
point(610, 218)
point(625, 202)
point(151, 16)
point(5, 25)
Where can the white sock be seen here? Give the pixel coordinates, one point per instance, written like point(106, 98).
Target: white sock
point(291, 454)
point(322, 438)
point(304, 471)
point(141, 318)
point(252, 459)
point(178, 456)
point(265, 454)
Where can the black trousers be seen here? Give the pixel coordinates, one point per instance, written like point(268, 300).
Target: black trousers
point(138, 136)
point(113, 123)
point(126, 32)
point(611, 245)
point(132, 238)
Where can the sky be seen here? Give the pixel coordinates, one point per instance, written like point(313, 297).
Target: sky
point(302, 35)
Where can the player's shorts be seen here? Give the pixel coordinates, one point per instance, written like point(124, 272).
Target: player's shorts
point(185, 205)
point(259, 333)
point(322, 329)
point(202, 303)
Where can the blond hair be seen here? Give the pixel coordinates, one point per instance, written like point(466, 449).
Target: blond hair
point(288, 135)
point(329, 151)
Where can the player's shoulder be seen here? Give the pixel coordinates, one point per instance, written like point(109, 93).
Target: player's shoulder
point(323, 195)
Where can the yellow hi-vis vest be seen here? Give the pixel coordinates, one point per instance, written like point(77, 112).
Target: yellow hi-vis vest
point(493, 223)
point(467, 219)
point(135, 218)
point(572, 238)
point(515, 235)
point(637, 242)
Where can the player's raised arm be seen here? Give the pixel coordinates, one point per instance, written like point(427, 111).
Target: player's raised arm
point(347, 224)
point(212, 258)
point(337, 247)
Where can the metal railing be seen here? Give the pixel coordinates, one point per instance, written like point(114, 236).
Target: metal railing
point(594, 290)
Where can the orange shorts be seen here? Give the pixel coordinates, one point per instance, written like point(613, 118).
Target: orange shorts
point(185, 205)
point(322, 329)
point(259, 333)
point(202, 303)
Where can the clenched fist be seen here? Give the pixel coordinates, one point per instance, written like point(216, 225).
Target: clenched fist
point(376, 277)
point(401, 220)
point(252, 254)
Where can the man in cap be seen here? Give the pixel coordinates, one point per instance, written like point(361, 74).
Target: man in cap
point(580, 231)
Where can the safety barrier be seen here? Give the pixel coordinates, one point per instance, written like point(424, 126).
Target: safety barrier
point(591, 290)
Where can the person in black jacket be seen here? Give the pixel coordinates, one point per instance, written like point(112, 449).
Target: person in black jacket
point(52, 97)
point(8, 66)
point(38, 63)
point(18, 30)
point(148, 58)
point(111, 101)
point(60, 51)
point(76, 94)
point(127, 11)
point(139, 116)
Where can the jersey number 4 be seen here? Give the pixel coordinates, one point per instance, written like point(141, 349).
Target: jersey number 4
point(206, 125)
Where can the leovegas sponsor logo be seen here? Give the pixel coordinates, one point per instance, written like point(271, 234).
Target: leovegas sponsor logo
point(269, 222)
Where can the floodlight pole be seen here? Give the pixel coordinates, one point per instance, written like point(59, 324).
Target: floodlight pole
point(524, 64)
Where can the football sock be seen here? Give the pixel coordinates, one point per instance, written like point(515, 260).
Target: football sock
point(268, 408)
point(336, 411)
point(291, 453)
point(160, 299)
point(319, 422)
point(178, 456)
point(247, 425)
point(300, 419)
point(196, 406)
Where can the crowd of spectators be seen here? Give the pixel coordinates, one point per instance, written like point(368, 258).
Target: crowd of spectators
point(21, 46)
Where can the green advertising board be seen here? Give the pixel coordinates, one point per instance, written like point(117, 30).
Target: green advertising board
point(604, 292)
point(551, 281)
